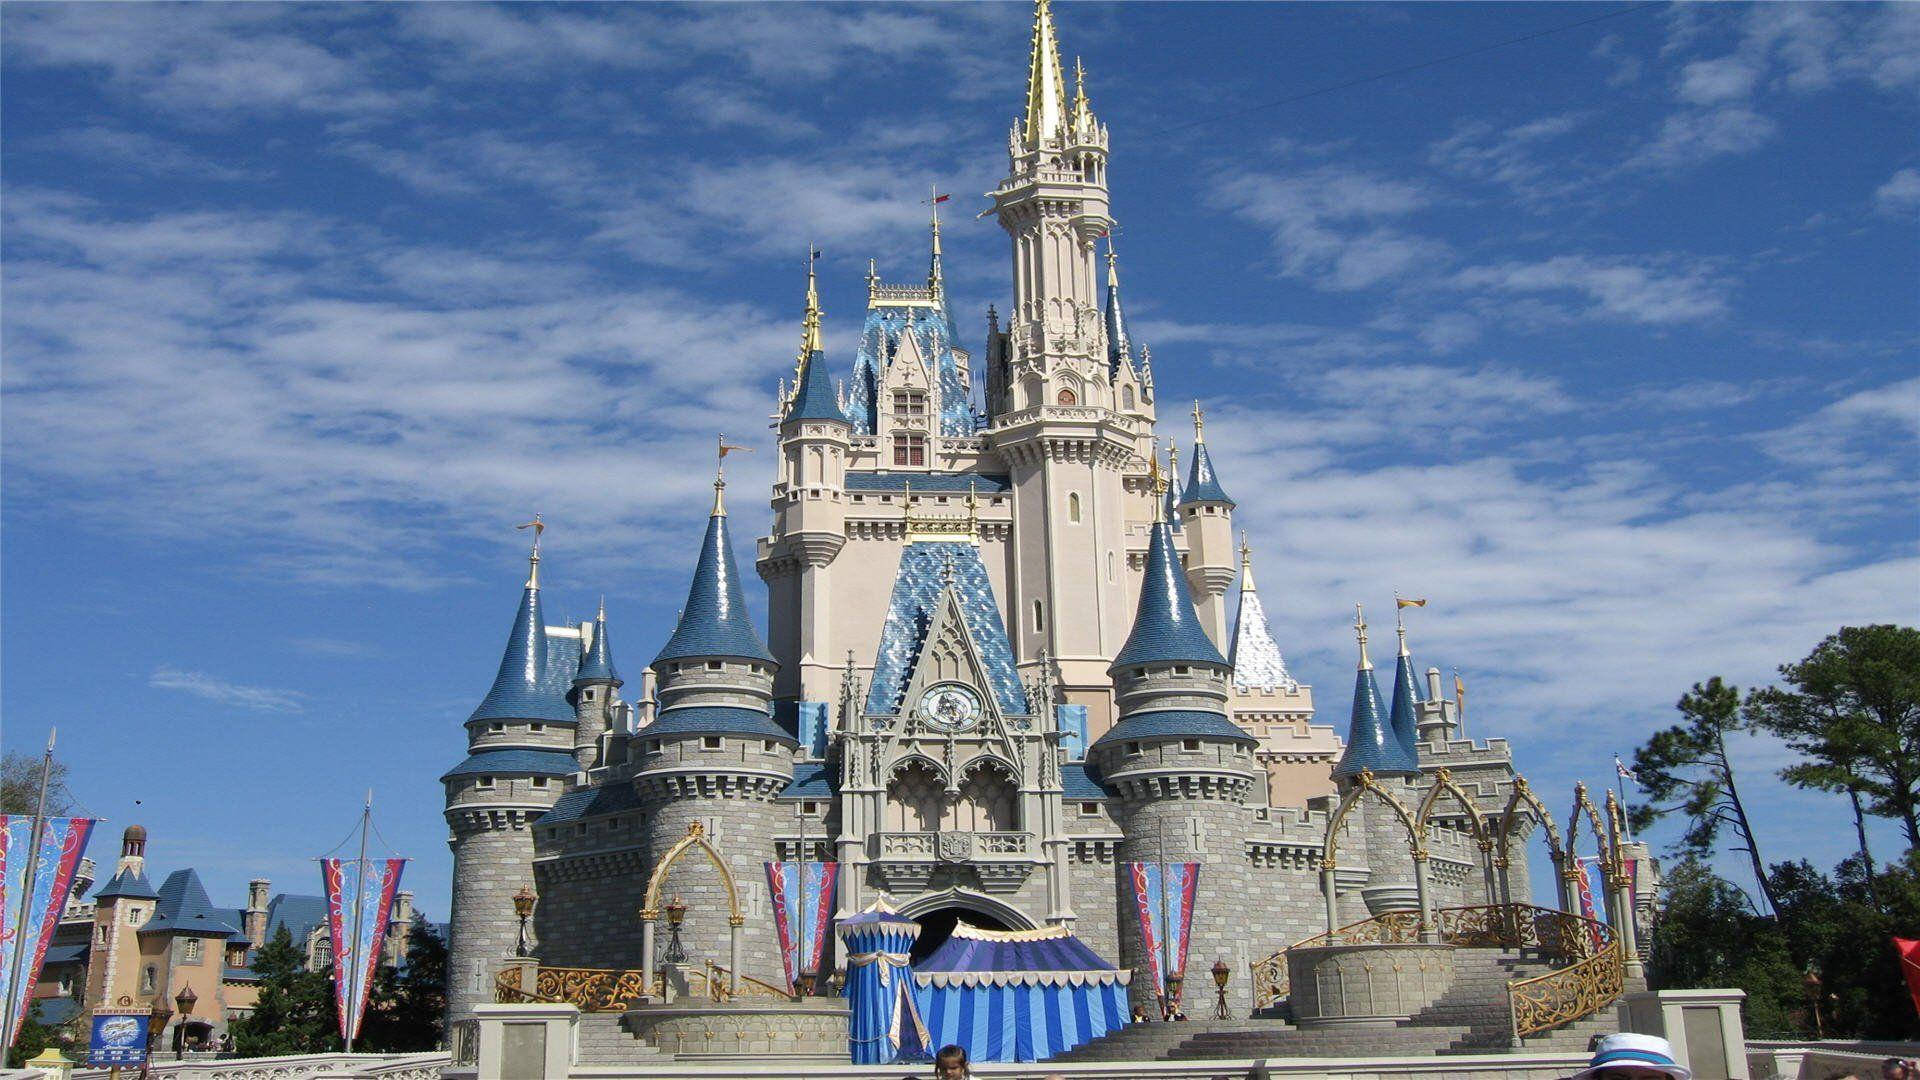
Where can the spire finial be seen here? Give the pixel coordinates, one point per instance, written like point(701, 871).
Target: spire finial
point(533, 557)
point(602, 615)
point(1173, 456)
point(1400, 628)
point(973, 511)
point(1082, 108)
point(935, 282)
point(1199, 423)
point(1046, 87)
point(1156, 483)
point(810, 327)
point(720, 474)
point(946, 570)
point(1246, 564)
point(1113, 268)
point(1360, 631)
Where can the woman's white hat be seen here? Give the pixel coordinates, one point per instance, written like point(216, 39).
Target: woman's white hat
point(1631, 1050)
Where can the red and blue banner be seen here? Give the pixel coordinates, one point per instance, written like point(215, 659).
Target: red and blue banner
point(1163, 897)
point(62, 843)
point(356, 948)
point(1590, 866)
point(802, 909)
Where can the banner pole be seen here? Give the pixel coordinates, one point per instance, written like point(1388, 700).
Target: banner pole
point(8, 1025)
point(359, 901)
point(1166, 928)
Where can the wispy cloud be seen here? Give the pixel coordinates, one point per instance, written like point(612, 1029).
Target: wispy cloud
point(220, 691)
point(1900, 195)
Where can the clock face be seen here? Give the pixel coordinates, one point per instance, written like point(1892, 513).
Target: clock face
point(950, 707)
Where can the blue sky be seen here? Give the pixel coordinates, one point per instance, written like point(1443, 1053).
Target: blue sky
point(1605, 342)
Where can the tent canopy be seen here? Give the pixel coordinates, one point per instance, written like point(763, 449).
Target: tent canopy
point(1051, 956)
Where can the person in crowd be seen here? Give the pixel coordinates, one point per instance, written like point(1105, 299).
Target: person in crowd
point(951, 1063)
point(1632, 1056)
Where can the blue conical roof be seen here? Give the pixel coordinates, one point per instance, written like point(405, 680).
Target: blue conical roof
point(1203, 485)
point(128, 883)
point(1119, 343)
point(597, 665)
point(814, 398)
point(1405, 718)
point(1371, 745)
point(714, 621)
point(1165, 627)
point(520, 690)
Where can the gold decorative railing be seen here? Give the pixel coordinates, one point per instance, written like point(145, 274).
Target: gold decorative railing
point(1592, 978)
point(616, 990)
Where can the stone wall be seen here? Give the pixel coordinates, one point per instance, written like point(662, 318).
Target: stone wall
point(491, 862)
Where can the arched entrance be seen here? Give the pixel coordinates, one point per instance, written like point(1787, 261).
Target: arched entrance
point(937, 925)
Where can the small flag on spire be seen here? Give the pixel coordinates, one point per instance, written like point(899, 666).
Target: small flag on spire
point(1400, 602)
point(1625, 773)
point(938, 198)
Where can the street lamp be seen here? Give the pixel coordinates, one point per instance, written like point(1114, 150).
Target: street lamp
point(157, 1018)
point(1220, 974)
point(184, 1000)
point(523, 902)
point(676, 914)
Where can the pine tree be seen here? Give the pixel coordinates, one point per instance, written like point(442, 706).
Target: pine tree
point(295, 1013)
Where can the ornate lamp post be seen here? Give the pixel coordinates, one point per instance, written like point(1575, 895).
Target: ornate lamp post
point(676, 914)
point(157, 1018)
point(1220, 974)
point(1175, 980)
point(837, 982)
point(185, 1001)
point(523, 902)
point(809, 978)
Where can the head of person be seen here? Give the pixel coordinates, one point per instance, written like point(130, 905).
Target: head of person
point(1895, 1069)
point(1632, 1056)
point(950, 1063)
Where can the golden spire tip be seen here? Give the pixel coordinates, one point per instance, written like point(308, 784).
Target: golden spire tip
point(533, 557)
point(1360, 631)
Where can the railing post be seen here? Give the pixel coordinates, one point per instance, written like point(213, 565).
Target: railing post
point(1327, 889)
point(647, 919)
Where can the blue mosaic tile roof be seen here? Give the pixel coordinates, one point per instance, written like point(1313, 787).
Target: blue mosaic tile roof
point(591, 802)
point(916, 594)
point(1175, 724)
point(1370, 741)
point(128, 884)
point(1405, 719)
point(956, 483)
point(814, 398)
point(524, 688)
point(597, 664)
point(715, 621)
point(1171, 509)
point(515, 763)
point(184, 907)
point(1203, 484)
point(811, 780)
point(1119, 343)
point(1165, 627)
point(1077, 783)
point(932, 330)
point(66, 954)
point(298, 913)
point(717, 720)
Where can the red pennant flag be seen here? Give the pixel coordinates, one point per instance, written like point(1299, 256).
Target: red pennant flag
point(1910, 966)
point(941, 198)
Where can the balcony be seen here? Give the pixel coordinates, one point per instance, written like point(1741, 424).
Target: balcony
point(907, 860)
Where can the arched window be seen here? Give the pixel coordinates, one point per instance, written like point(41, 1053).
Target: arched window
point(989, 802)
point(1066, 396)
point(914, 799)
point(1073, 507)
point(1126, 397)
point(1039, 618)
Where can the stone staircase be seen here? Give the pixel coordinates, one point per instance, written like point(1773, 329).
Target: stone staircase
point(604, 1042)
point(1471, 1017)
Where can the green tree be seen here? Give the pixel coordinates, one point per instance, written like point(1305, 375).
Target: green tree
point(1708, 935)
point(295, 1013)
point(1853, 711)
point(407, 1008)
point(34, 1037)
point(20, 785)
point(1686, 767)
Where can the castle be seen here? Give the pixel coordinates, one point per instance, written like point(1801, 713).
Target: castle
point(998, 668)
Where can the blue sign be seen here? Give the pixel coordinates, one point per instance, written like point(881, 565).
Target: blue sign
point(118, 1040)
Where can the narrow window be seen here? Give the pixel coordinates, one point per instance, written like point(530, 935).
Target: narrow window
point(1066, 396)
point(1126, 397)
point(190, 951)
point(1089, 809)
point(133, 916)
point(909, 449)
point(539, 781)
point(496, 727)
point(147, 979)
point(485, 783)
point(771, 747)
point(536, 727)
point(1039, 618)
point(1189, 744)
point(1109, 566)
point(715, 665)
point(711, 742)
point(809, 807)
point(1133, 748)
point(1073, 507)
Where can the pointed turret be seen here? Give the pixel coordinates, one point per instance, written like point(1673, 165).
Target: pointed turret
point(1046, 85)
point(1119, 344)
point(1082, 115)
point(1405, 717)
point(1371, 745)
point(1203, 484)
point(1166, 629)
point(813, 393)
point(936, 277)
point(597, 665)
point(521, 690)
point(1257, 663)
point(1170, 502)
point(714, 621)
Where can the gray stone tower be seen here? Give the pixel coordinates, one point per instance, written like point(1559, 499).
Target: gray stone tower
point(1375, 837)
point(520, 744)
point(714, 757)
point(1182, 776)
point(594, 694)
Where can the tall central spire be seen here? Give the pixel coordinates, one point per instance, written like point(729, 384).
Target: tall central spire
point(1046, 83)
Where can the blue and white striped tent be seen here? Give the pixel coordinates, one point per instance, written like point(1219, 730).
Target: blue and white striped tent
point(1018, 995)
point(884, 1024)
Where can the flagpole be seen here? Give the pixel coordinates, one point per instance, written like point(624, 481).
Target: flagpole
point(359, 902)
point(805, 949)
point(1620, 784)
point(18, 962)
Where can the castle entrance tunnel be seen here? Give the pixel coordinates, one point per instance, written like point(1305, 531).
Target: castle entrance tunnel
point(937, 925)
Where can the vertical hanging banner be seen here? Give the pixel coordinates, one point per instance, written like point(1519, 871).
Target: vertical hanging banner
point(1589, 864)
point(62, 843)
point(1910, 967)
point(801, 912)
point(356, 949)
point(1167, 887)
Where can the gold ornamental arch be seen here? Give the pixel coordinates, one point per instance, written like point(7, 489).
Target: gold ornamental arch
point(1583, 807)
point(1363, 783)
point(1523, 796)
point(696, 838)
point(1444, 784)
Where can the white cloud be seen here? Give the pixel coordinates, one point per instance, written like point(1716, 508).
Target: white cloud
point(1712, 82)
point(1900, 195)
point(1616, 288)
point(1693, 136)
point(201, 685)
point(1330, 223)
